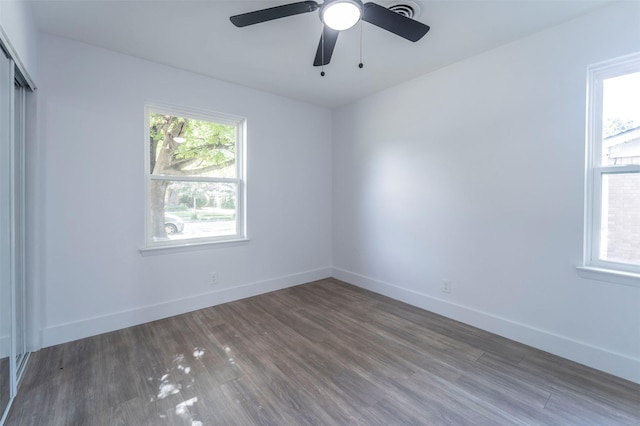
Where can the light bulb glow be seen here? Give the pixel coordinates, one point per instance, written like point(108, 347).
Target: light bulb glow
point(341, 15)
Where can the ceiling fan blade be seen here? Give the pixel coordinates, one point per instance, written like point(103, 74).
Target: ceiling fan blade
point(389, 20)
point(330, 36)
point(271, 13)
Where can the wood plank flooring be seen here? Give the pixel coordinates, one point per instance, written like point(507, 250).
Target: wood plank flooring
point(5, 383)
point(324, 353)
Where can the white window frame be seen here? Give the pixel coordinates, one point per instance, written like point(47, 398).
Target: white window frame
point(593, 266)
point(240, 123)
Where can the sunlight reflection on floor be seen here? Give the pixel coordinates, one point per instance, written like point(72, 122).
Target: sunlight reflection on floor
point(176, 378)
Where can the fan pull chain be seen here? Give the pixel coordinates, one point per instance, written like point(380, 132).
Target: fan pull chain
point(360, 65)
point(322, 51)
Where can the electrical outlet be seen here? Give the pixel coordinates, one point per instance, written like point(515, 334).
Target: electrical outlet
point(213, 279)
point(446, 286)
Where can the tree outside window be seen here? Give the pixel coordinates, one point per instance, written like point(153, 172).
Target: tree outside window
point(195, 186)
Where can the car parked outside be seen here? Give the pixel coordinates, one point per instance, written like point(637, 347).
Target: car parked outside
point(173, 224)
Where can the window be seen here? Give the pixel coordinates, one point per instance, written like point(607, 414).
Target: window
point(612, 226)
point(195, 185)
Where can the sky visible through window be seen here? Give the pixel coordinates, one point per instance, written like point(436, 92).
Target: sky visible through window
point(621, 99)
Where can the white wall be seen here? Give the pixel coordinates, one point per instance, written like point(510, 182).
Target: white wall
point(474, 173)
point(91, 171)
point(18, 25)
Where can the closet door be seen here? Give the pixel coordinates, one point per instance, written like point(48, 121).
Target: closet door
point(6, 261)
point(18, 226)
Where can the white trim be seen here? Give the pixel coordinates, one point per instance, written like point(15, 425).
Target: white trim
point(602, 359)
point(24, 74)
point(593, 267)
point(67, 332)
point(193, 179)
point(612, 170)
point(240, 124)
point(13, 237)
point(594, 261)
point(609, 275)
point(152, 251)
point(194, 113)
point(22, 231)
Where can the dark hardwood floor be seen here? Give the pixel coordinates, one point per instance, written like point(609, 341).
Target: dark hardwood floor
point(5, 383)
point(320, 353)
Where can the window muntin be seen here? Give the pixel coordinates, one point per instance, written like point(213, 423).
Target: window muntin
point(195, 185)
point(612, 226)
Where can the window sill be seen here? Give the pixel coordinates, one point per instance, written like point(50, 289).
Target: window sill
point(609, 275)
point(154, 251)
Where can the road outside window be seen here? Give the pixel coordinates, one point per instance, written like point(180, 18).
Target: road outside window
point(195, 186)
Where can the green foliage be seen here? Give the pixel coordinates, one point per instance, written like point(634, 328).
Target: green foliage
point(156, 122)
point(187, 199)
point(207, 146)
point(186, 147)
point(177, 207)
point(228, 203)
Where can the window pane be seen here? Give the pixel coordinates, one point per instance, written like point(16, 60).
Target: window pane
point(193, 210)
point(621, 120)
point(186, 147)
point(620, 220)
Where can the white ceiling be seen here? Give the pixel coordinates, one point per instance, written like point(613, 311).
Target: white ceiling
point(277, 56)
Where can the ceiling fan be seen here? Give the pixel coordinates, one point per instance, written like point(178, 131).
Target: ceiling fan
point(338, 15)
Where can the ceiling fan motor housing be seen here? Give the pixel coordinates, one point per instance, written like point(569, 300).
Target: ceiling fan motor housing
point(340, 14)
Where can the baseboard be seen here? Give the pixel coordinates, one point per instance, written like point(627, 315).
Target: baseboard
point(614, 363)
point(67, 332)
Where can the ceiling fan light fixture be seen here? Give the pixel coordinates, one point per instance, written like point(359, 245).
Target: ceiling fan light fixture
point(341, 14)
